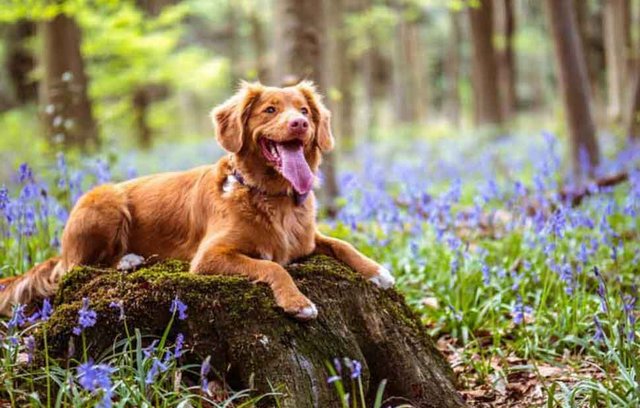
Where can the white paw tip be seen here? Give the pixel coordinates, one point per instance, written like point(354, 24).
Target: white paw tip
point(129, 262)
point(383, 279)
point(307, 313)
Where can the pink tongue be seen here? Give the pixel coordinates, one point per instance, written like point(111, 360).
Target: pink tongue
point(295, 167)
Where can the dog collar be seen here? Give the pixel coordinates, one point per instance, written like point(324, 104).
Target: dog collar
point(298, 199)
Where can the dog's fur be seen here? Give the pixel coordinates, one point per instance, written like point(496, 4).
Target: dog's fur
point(207, 216)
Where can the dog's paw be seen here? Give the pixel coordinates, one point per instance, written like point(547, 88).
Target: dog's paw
point(383, 279)
point(298, 306)
point(130, 262)
point(307, 313)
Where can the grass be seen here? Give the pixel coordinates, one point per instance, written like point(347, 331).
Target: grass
point(507, 291)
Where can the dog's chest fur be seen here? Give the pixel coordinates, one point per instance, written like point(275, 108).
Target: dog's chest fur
point(283, 232)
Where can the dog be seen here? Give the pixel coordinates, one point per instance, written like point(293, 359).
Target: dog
point(249, 214)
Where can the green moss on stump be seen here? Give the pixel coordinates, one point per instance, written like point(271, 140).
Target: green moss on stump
point(250, 339)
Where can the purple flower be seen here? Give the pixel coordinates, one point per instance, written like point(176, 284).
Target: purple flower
point(602, 290)
point(30, 346)
point(118, 305)
point(157, 367)
point(96, 378)
point(356, 369)
point(204, 371)
point(86, 317)
point(178, 306)
point(43, 314)
point(333, 379)
point(17, 318)
point(151, 349)
point(599, 334)
point(177, 352)
point(25, 173)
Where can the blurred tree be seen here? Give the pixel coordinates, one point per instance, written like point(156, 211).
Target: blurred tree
point(20, 61)
point(486, 91)
point(341, 71)
point(452, 62)
point(301, 46)
point(616, 39)
point(506, 56)
point(145, 94)
point(572, 75)
point(63, 94)
point(408, 67)
point(259, 40)
point(633, 125)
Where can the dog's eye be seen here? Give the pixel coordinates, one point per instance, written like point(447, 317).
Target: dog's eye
point(304, 111)
point(270, 109)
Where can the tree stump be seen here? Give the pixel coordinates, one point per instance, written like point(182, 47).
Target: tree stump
point(253, 343)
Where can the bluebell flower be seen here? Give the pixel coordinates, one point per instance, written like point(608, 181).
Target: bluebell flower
point(118, 305)
point(333, 379)
point(157, 367)
point(25, 173)
point(43, 314)
point(150, 350)
point(356, 369)
point(96, 378)
point(599, 333)
point(30, 347)
point(178, 351)
point(519, 311)
point(178, 306)
point(86, 317)
point(17, 318)
point(204, 372)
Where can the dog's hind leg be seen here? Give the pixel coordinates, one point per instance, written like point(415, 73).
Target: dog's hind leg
point(39, 282)
point(98, 229)
point(95, 234)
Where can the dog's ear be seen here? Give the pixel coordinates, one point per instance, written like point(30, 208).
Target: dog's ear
point(230, 118)
point(321, 115)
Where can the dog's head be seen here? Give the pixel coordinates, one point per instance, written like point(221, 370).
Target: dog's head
point(279, 132)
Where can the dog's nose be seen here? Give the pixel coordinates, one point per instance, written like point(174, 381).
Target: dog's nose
point(298, 125)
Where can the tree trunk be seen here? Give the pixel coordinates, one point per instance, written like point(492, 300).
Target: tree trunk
point(486, 91)
point(452, 105)
point(341, 72)
point(506, 58)
point(64, 94)
point(616, 41)
point(19, 61)
point(302, 37)
point(633, 127)
point(253, 344)
point(407, 69)
point(146, 94)
point(572, 75)
point(259, 47)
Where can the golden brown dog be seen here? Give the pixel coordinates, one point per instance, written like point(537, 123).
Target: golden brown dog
point(249, 214)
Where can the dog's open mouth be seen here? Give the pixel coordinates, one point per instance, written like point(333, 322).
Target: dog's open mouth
point(288, 158)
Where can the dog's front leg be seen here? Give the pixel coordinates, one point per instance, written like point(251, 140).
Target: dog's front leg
point(218, 259)
point(346, 253)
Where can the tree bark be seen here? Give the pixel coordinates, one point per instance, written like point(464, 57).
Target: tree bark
point(259, 47)
point(19, 61)
point(302, 37)
point(452, 105)
point(506, 58)
point(486, 91)
point(253, 344)
point(407, 68)
point(572, 75)
point(633, 126)
point(64, 94)
point(616, 42)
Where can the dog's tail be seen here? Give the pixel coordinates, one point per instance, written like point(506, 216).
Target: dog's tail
point(41, 281)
